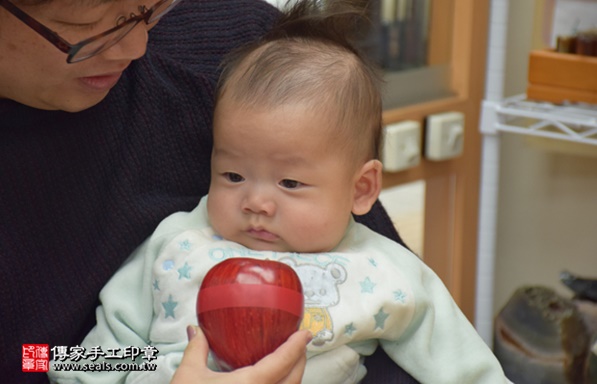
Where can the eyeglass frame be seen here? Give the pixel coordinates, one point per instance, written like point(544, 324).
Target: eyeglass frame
point(72, 49)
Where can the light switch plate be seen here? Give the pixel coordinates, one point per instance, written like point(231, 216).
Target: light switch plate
point(401, 146)
point(444, 136)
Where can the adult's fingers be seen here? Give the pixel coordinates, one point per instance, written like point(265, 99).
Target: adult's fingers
point(284, 366)
point(287, 363)
point(197, 349)
point(297, 372)
point(194, 360)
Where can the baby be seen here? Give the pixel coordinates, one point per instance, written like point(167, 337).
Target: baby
point(297, 128)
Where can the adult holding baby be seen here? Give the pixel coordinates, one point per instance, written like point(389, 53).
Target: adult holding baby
point(103, 133)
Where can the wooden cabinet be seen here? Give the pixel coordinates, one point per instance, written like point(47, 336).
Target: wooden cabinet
point(458, 31)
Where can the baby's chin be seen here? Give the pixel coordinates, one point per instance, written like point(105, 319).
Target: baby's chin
point(280, 245)
point(262, 246)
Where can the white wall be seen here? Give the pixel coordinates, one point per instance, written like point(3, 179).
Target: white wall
point(280, 3)
point(547, 219)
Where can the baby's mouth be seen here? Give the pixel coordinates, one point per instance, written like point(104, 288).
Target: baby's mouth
point(262, 234)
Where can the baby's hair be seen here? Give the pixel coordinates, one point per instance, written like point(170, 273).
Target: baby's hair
point(307, 58)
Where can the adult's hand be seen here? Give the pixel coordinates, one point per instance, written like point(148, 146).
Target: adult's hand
point(284, 366)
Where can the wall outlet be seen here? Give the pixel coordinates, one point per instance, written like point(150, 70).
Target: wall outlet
point(444, 136)
point(401, 146)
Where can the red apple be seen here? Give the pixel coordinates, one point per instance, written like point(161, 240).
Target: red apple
point(247, 308)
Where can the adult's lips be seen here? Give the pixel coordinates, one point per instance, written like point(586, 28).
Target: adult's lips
point(101, 82)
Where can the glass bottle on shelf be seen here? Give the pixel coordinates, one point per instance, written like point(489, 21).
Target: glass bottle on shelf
point(413, 50)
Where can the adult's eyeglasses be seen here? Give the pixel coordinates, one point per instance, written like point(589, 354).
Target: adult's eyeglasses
point(96, 44)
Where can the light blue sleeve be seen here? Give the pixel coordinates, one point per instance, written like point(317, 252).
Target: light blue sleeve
point(436, 343)
point(123, 320)
point(125, 316)
point(440, 345)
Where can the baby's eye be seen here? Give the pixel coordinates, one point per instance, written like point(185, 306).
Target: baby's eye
point(233, 177)
point(290, 184)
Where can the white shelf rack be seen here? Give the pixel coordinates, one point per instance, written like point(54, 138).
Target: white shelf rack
point(572, 122)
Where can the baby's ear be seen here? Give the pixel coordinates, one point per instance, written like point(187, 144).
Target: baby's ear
point(367, 187)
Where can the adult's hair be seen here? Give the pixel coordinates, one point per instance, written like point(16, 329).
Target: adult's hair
point(308, 59)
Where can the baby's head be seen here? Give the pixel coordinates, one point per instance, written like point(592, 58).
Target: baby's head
point(296, 136)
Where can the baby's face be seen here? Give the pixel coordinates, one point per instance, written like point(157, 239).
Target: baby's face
point(278, 183)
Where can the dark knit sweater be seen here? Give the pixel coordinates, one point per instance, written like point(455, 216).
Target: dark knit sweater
point(79, 191)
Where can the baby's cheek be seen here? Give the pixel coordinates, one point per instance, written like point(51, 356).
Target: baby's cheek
point(315, 239)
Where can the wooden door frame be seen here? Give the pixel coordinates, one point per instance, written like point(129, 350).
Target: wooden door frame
point(452, 186)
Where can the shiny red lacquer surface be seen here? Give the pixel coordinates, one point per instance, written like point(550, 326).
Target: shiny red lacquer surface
point(247, 308)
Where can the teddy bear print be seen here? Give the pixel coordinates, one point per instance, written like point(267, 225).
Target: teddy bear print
point(320, 290)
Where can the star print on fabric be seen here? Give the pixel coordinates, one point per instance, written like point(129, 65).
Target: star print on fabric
point(185, 245)
point(184, 271)
point(167, 265)
point(367, 285)
point(400, 296)
point(349, 329)
point(380, 319)
point(169, 307)
point(156, 285)
point(372, 262)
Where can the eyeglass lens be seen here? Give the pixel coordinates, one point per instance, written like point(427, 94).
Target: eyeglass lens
point(94, 46)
